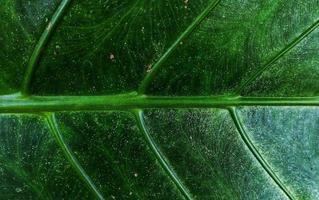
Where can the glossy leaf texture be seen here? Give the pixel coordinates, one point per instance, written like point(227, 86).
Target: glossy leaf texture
point(159, 99)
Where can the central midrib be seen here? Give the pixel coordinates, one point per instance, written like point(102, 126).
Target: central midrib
point(124, 102)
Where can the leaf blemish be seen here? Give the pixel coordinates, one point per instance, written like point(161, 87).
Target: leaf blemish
point(149, 68)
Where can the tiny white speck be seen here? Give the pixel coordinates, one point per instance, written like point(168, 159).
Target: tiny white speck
point(112, 57)
point(18, 190)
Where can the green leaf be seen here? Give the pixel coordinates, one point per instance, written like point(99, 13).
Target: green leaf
point(171, 99)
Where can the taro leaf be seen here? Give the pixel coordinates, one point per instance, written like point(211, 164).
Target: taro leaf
point(161, 99)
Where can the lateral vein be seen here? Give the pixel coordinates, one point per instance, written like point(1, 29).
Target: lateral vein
point(280, 54)
point(43, 40)
point(156, 67)
point(51, 120)
point(244, 136)
point(160, 157)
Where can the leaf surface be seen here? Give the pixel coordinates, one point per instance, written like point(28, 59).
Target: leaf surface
point(171, 99)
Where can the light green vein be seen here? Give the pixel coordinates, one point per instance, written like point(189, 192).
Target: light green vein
point(41, 45)
point(256, 153)
point(160, 157)
point(280, 54)
point(129, 102)
point(156, 67)
point(71, 158)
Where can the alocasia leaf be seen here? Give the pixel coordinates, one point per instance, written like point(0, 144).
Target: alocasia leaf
point(159, 99)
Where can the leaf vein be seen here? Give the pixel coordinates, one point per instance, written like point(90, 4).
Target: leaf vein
point(160, 157)
point(51, 120)
point(128, 102)
point(156, 67)
point(39, 48)
point(244, 136)
point(279, 55)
